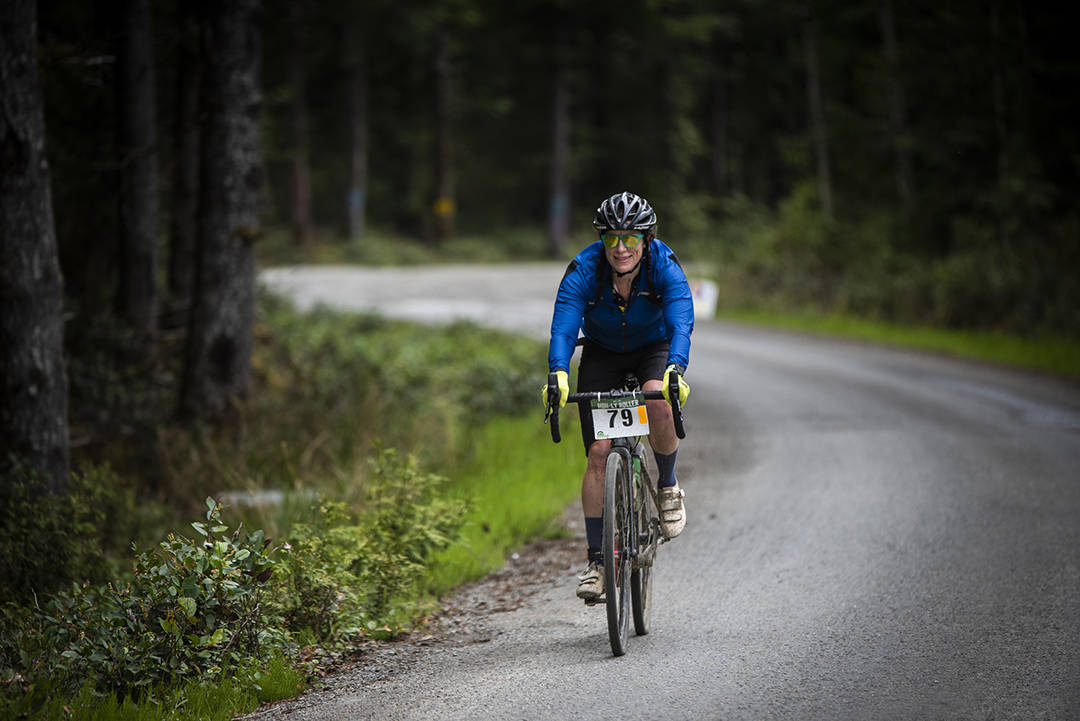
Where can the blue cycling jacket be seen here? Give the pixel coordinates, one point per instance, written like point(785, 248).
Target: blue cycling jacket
point(660, 307)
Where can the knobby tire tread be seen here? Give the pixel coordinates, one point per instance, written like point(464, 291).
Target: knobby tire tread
point(640, 578)
point(616, 563)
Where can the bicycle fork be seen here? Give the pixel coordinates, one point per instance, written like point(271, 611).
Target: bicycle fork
point(633, 476)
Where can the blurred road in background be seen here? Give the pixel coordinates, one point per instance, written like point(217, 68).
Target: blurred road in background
point(872, 533)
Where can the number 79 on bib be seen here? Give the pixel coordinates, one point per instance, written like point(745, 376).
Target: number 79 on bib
point(619, 418)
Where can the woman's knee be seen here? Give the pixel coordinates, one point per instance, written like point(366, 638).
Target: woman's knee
point(598, 453)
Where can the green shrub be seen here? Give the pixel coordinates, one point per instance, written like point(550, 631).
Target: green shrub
point(317, 589)
point(192, 611)
point(345, 572)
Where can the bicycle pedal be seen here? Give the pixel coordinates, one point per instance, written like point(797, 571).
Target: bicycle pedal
point(590, 602)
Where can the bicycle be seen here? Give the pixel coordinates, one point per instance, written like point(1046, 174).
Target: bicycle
point(631, 517)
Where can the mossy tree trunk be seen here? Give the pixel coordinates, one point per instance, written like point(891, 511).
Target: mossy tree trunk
point(137, 149)
point(357, 73)
point(816, 102)
point(33, 385)
point(218, 361)
point(185, 170)
point(444, 204)
point(559, 209)
point(300, 210)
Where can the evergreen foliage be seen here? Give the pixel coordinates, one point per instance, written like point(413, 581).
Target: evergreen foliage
point(950, 136)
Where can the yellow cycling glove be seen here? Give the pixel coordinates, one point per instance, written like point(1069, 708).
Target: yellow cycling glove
point(564, 389)
point(684, 387)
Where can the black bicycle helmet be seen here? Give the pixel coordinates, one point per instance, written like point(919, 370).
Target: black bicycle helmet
point(625, 211)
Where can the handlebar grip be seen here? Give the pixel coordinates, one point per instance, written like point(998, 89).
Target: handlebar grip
point(676, 406)
point(553, 406)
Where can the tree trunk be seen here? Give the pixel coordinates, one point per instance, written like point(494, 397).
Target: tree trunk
point(301, 165)
point(897, 104)
point(818, 129)
point(721, 124)
point(218, 360)
point(356, 62)
point(182, 231)
point(137, 146)
point(33, 387)
point(559, 211)
point(444, 206)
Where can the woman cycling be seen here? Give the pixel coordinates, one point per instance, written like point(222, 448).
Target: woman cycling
point(628, 295)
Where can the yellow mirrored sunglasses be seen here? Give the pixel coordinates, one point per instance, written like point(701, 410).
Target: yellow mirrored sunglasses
point(630, 240)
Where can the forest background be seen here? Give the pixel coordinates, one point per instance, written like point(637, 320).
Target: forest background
point(915, 162)
point(908, 162)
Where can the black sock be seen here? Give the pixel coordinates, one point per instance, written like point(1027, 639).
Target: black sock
point(666, 467)
point(594, 536)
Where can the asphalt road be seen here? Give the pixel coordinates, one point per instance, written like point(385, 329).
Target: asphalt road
point(873, 534)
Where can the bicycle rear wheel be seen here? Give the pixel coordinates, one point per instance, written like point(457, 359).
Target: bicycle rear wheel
point(641, 576)
point(616, 557)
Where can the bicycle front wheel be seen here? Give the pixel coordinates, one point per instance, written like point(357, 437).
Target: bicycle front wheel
point(616, 550)
point(641, 576)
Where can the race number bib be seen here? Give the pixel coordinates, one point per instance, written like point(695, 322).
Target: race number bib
point(617, 418)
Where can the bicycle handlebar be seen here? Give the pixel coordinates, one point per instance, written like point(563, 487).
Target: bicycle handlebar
point(553, 403)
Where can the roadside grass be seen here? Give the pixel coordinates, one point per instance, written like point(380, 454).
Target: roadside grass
point(517, 482)
point(1050, 355)
point(219, 700)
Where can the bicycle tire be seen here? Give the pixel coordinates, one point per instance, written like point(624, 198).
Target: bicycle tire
point(616, 559)
point(641, 577)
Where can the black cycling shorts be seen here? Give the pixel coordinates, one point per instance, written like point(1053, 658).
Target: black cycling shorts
point(604, 370)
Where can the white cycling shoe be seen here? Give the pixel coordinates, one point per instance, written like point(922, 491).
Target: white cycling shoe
point(591, 583)
point(672, 511)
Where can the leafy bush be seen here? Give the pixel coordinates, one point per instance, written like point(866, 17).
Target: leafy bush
point(344, 572)
point(192, 611)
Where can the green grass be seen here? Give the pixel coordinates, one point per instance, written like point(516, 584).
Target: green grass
point(1052, 355)
point(214, 701)
point(518, 482)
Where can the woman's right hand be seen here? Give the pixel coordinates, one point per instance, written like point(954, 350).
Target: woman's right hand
point(563, 380)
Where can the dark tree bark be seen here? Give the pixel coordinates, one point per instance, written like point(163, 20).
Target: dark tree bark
point(301, 161)
point(559, 208)
point(818, 130)
point(721, 132)
point(137, 146)
point(33, 386)
point(898, 126)
point(357, 72)
point(413, 215)
point(218, 361)
point(728, 80)
point(444, 206)
point(185, 175)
